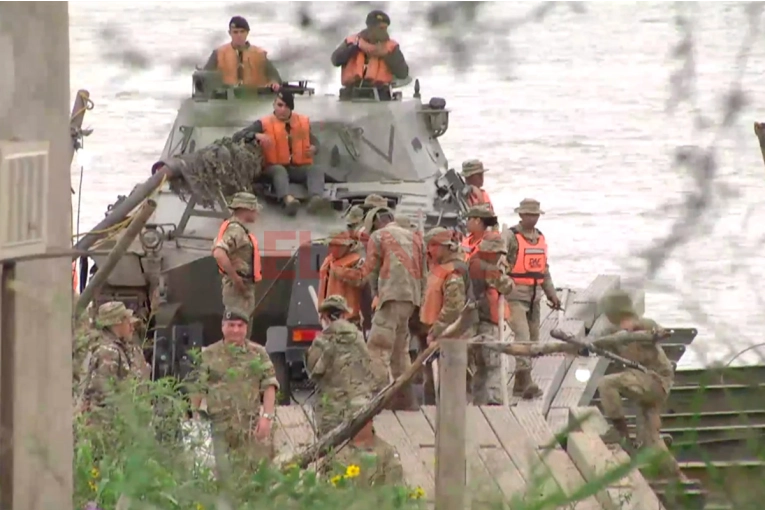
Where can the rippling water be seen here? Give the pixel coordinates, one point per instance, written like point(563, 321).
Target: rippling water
point(578, 121)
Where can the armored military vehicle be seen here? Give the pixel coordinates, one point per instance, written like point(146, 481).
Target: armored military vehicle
point(370, 141)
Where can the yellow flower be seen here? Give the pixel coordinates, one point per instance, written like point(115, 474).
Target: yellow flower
point(199, 506)
point(335, 480)
point(92, 486)
point(291, 467)
point(94, 473)
point(352, 471)
point(417, 493)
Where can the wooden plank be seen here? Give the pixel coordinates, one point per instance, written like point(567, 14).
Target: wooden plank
point(481, 484)
point(593, 459)
point(557, 420)
point(296, 425)
point(573, 392)
point(644, 497)
point(521, 450)
point(587, 419)
point(548, 372)
point(569, 478)
point(418, 470)
point(585, 305)
point(282, 442)
point(422, 438)
point(535, 426)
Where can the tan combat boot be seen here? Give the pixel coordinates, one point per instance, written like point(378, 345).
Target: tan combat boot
point(618, 433)
point(524, 386)
point(291, 205)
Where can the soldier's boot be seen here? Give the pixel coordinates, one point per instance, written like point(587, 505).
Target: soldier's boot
point(291, 205)
point(319, 205)
point(524, 386)
point(618, 433)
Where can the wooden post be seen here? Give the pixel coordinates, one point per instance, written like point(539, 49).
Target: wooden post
point(451, 469)
point(503, 358)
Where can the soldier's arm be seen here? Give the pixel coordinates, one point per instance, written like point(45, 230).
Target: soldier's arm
point(229, 242)
point(269, 384)
point(212, 62)
point(272, 74)
point(314, 141)
point(499, 280)
point(616, 340)
point(397, 63)
point(512, 251)
point(370, 272)
point(315, 362)
point(547, 284)
point(343, 53)
point(248, 134)
point(352, 275)
point(105, 370)
point(535, 349)
point(454, 302)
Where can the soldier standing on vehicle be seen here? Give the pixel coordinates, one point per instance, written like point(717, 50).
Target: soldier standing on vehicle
point(393, 269)
point(338, 272)
point(527, 260)
point(472, 171)
point(649, 391)
point(114, 357)
point(234, 375)
point(480, 219)
point(377, 461)
point(489, 285)
point(237, 254)
point(339, 363)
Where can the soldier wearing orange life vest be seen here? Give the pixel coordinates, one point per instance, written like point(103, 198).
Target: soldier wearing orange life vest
point(480, 220)
point(472, 171)
point(241, 63)
point(370, 58)
point(335, 277)
point(236, 251)
point(527, 260)
point(288, 150)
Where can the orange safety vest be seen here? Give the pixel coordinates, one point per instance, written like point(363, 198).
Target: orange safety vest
point(256, 269)
point(74, 277)
point(479, 196)
point(531, 261)
point(471, 244)
point(291, 148)
point(488, 297)
point(253, 66)
point(366, 67)
point(433, 299)
point(329, 284)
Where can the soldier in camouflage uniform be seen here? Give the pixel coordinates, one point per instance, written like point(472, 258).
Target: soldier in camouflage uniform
point(472, 171)
point(378, 461)
point(339, 363)
point(234, 374)
point(237, 254)
point(354, 219)
point(114, 357)
point(489, 284)
point(393, 269)
point(649, 391)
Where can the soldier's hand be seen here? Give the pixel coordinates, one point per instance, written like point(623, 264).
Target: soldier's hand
point(366, 46)
point(430, 339)
point(263, 138)
point(263, 429)
point(375, 302)
point(239, 284)
point(660, 333)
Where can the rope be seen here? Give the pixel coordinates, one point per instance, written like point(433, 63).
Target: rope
point(88, 105)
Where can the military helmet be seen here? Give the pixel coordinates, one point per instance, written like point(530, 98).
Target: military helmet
point(472, 167)
point(492, 242)
point(355, 216)
point(375, 200)
point(617, 305)
point(334, 302)
point(481, 211)
point(113, 313)
point(343, 238)
point(244, 200)
point(235, 314)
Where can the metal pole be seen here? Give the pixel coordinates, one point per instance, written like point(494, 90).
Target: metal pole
point(119, 250)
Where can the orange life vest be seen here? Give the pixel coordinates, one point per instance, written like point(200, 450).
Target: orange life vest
point(531, 261)
point(74, 277)
point(329, 284)
point(433, 299)
point(253, 66)
point(471, 243)
point(479, 196)
point(287, 148)
point(487, 297)
point(366, 67)
point(256, 268)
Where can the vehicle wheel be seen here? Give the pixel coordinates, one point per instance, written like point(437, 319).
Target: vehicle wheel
point(279, 360)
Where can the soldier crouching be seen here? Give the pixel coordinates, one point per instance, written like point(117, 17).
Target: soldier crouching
point(233, 375)
point(340, 365)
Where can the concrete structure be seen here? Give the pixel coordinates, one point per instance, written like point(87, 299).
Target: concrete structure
point(35, 340)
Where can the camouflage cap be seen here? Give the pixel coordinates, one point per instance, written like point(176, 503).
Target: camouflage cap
point(243, 200)
point(529, 206)
point(375, 200)
point(355, 216)
point(440, 236)
point(113, 313)
point(481, 211)
point(616, 305)
point(492, 242)
point(235, 314)
point(343, 238)
point(473, 167)
point(334, 302)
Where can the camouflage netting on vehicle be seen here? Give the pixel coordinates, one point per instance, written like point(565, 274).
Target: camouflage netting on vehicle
point(224, 165)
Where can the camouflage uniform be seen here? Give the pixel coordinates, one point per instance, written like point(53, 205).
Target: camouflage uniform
point(378, 463)
point(233, 378)
point(339, 363)
point(477, 195)
point(236, 243)
point(355, 218)
point(393, 268)
point(113, 358)
point(486, 363)
point(649, 391)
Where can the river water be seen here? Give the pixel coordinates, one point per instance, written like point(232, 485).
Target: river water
point(573, 113)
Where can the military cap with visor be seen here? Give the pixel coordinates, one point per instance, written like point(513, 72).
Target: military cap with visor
point(234, 314)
